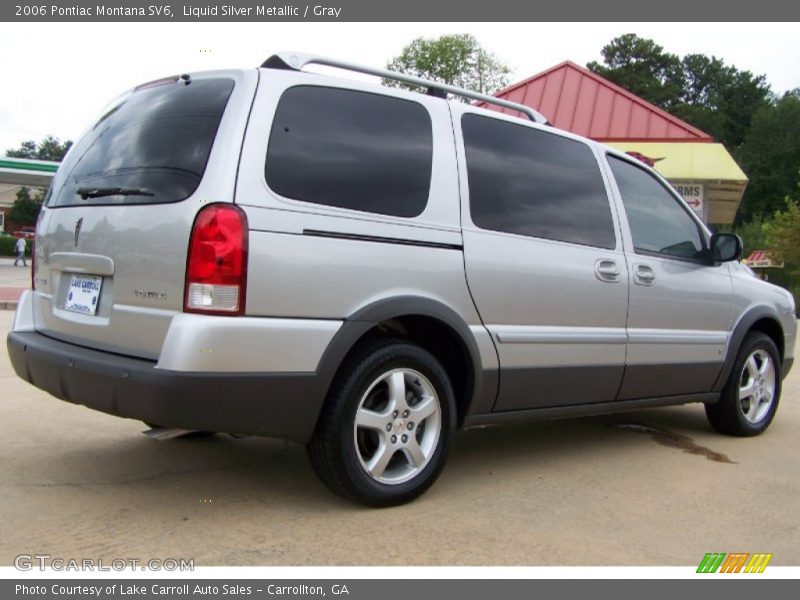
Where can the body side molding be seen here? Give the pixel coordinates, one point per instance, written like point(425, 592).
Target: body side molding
point(582, 410)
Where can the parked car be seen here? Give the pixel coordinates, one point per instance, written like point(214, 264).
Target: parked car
point(26, 231)
point(365, 269)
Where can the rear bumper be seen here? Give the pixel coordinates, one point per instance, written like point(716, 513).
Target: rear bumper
point(282, 405)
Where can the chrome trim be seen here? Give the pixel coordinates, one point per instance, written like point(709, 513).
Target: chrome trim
point(558, 335)
point(78, 225)
point(77, 262)
point(513, 334)
point(677, 336)
point(298, 60)
point(380, 239)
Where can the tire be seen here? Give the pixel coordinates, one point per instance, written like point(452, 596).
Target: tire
point(186, 436)
point(396, 448)
point(751, 394)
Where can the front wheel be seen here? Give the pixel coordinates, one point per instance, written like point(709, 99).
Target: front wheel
point(749, 400)
point(385, 429)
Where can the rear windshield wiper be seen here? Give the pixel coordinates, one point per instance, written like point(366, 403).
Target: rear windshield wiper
point(88, 192)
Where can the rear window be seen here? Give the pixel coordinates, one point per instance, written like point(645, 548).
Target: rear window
point(153, 147)
point(352, 150)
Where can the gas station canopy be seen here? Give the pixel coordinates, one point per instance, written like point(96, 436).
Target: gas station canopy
point(703, 164)
point(23, 171)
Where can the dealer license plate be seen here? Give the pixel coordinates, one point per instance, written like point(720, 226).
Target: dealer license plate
point(83, 294)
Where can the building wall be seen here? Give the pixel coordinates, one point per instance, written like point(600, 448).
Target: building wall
point(8, 193)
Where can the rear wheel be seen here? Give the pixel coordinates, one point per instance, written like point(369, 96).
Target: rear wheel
point(385, 429)
point(750, 397)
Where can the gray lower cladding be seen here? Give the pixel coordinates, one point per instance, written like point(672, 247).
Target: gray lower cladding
point(281, 405)
point(787, 366)
point(646, 381)
point(537, 387)
point(583, 410)
point(546, 387)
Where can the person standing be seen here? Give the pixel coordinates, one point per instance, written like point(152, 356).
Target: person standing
point(20, 250)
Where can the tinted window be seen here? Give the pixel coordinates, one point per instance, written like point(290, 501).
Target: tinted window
point(659, 224)
point(526, 181)
point(157, 141)
point(351, 150)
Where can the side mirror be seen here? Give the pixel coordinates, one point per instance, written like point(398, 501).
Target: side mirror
point(725, 247)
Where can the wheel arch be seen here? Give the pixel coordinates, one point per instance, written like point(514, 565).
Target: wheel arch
point(425, 321)
point(759, 318)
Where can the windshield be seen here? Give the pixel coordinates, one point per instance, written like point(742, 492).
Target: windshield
point(151, 147)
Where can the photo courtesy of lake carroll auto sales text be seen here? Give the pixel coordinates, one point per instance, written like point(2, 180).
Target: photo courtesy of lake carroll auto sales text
point(178, 589)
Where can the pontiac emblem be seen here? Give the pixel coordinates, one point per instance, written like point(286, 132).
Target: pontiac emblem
point(78, 224)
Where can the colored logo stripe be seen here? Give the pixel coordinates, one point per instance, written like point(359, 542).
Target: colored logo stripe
point(734, 563)
point(758, 563)
point(711, 562)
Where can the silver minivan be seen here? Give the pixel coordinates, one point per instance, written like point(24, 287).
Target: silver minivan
point(364, 269)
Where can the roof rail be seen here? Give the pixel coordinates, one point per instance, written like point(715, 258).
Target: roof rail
point(295, 61)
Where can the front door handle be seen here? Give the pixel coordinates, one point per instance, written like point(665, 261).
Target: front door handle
point(644, 275)
point(607, 270)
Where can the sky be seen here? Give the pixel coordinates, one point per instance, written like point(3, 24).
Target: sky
point(56, 77)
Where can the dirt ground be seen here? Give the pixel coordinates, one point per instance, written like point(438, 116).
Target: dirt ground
point(594, 491)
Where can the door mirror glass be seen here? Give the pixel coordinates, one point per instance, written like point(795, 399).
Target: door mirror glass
point(726, 247)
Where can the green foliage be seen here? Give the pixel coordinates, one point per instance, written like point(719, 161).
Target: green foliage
point(778, 233)
point(715, 97)
point(26, 208)
point(720, 99)
point(753, 235)
point(737, 108)
point(50, 148)
point(642, 67)
point(7, 244)
point(770, 156)
point(457, 60)
point(25, 150)
point(783, 237)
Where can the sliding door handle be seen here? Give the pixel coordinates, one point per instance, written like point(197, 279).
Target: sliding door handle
point(607, 270)
point(644, 275)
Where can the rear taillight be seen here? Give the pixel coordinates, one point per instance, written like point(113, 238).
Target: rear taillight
point(216, 269)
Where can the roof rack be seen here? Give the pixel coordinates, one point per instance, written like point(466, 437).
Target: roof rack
point(295, 61)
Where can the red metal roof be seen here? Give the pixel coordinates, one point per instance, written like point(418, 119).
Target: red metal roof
point(577, 100)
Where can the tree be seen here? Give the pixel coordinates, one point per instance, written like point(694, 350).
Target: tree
point(720, 99)
point(50, 148)
point(457, 60)
point(25, 209)
point(770, 155)
point(643, 68)
point(753, 234)
point(783, 235)
point(714, 97)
